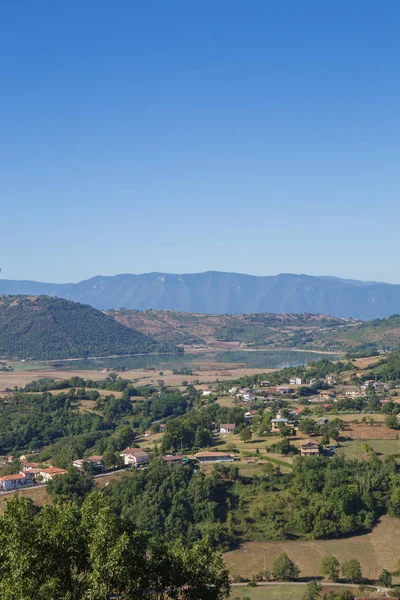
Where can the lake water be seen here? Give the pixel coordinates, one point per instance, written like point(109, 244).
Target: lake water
point(273, 359)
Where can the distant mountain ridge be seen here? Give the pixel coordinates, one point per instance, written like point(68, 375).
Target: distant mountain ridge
point(215, 292)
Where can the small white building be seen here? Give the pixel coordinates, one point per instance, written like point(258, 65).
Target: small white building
point(206, 392)
point(227, 427)
point(295, 381)
point(96, 461)
point(136, 457)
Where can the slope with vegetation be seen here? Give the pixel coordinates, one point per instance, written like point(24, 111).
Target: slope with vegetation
point(302, 331)
point(46, 328)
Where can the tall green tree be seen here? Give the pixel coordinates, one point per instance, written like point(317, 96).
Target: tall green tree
point(284, 568)
point(330, 567)
point(351, 570)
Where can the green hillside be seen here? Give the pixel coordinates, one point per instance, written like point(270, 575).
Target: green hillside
point(302, 331)
point(47, 328)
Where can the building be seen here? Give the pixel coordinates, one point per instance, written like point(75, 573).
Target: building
point(147, 433)
point(28, 466)
point(227, 427)
point(322, 421)
point(212, 457)
point(326, 395)
point(175, 459)
point(136, 457)
point(96, 461)
point(8, 483)
point(354, 393)
point(277, 423)
point(50, 472)
point(233, 391)
point(162, 427)
point(295, 381)
point(206, 392)
point(284, 389)
point(250, 415)
point(309, 448)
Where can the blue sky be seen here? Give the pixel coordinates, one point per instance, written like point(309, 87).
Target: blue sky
point(257, 137)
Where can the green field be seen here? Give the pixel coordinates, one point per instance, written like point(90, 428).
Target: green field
point(270, 592)
point(281, 592)
point(355, 449)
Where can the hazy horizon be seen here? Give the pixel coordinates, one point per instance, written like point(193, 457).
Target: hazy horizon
point(120, 274)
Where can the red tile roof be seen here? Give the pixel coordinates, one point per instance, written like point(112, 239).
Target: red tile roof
point(16, 476)
point(53, 471)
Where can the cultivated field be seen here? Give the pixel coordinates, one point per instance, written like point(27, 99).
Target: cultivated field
point(140, 377)
point(375, 551)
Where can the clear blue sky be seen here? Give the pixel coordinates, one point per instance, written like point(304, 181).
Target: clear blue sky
point(257, 137)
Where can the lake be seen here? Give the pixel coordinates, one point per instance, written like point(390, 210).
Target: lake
point(272, 359)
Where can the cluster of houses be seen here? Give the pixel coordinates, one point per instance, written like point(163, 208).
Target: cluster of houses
point(30, 474)
point(242, 394)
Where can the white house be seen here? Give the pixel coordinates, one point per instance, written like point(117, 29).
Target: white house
point(135, 456)
point(227, 427)
point(96, 461)
point(295, 381)
point(15, 482)
point(50, 472)
point(206, 392)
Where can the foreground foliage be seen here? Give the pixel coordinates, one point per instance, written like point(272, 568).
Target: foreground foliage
point(68, 553)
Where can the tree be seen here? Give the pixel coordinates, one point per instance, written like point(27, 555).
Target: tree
point(284, 568)
point(351, 570)
point(392, 422)
point(330, 567)
point(385, 578)
point(66, 552)
point(394, 503)
point(203, 437)
point(74, 485)
point(111, 458)
point(314, 589)
point(245, 434)
point(345, 595)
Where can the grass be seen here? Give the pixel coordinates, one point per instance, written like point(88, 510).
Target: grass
point(354, 449)
point(375, 551)
point(39, 496)
point(281, 592)
point(270, 592)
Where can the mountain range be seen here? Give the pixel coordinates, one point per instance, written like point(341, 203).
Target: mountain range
point(224, 293)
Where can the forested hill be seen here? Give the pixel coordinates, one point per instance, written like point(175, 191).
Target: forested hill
point(220, 293)
point(47, 328)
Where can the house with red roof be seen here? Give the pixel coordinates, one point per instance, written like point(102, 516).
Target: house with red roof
point(8, 483)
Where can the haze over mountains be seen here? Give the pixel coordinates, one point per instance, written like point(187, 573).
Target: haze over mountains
point(219, 293)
